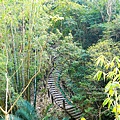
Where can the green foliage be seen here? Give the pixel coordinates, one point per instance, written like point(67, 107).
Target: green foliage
point(112, 88)
point(66, 118)
point(37, 35)
point(107, 48)
point(102, 55)
point(2, 77)
point(26, 111)
point(47, 109)
point(13, 117)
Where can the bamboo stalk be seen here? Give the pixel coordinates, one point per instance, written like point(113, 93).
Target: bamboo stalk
point(35, 82)
point(23, 91)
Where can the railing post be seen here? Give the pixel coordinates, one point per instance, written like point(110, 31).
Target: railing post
point(48, 93)
point(63, 104)
point(52, 98)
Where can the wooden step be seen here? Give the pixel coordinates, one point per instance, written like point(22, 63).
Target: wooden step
point(61, 102)
point(77, 114)
point(57, 97)
point(51, 81)
point(53, 88)
point(52, 85)
point(57, 94)
point(74, 112)
point(69, 107)
point(71, 110)
point(52, 91)
point(61, 105)
point(60, 99)
point(51, 77)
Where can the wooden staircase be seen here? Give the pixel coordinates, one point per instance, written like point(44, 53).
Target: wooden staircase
point(57, 98)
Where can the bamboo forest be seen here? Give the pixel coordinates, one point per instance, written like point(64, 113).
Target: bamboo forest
point(59, 60)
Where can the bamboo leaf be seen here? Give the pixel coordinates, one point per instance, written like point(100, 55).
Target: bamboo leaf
point(111, 92)
point(98, 75)
point(100, 61)
point(82, 118)
point(118, 108)
point(109, 104)
point(112, 64)
point(114, 109)
point(106, 101)
point(117, 78)
point(107, 87)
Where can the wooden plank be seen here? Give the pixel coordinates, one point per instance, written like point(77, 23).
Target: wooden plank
point(57, 97)
point(60, 102)
point(57, 94)
point(53, 90)
point(52, 84)
point(76, 114)
point(71, 110)
point(68, 107)
point(52, 79)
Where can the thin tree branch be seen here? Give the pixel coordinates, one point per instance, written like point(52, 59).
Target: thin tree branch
point(23, 91)
point(3, 111)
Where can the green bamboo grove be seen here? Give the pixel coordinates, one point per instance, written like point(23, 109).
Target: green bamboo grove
point(78, 38)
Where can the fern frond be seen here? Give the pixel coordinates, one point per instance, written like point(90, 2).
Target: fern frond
point(26, 111)
point(13, 117)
